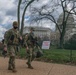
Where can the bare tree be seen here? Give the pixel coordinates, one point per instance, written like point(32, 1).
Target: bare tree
point(22, 22)
point(49, 12)
point(27, 3)
point(18, 13)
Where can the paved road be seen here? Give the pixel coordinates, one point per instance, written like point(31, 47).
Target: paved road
point(40, 68)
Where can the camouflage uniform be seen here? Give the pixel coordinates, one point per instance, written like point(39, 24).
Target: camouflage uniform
point(12, 45)
point(30, 51)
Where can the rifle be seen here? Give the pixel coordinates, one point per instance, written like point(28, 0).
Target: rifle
point(10, 41)
point(39, 52)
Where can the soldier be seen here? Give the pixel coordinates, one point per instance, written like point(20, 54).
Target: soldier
point(11, 38)
point(30, 48)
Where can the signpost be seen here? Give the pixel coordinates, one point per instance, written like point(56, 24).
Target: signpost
point(46, 45)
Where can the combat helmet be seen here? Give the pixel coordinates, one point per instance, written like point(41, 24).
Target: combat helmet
point(15, 23)
point(32, 28)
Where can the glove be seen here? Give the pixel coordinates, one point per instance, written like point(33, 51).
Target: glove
point(4, 52)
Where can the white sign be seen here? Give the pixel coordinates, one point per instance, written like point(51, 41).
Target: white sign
point(46, 45)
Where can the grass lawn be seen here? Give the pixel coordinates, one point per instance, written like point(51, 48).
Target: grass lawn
point(59, 56)
point(54, 55)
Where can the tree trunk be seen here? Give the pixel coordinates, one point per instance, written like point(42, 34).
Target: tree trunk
point(22, 22)
point(61, 41)
point(62, 35)
point(18, 14)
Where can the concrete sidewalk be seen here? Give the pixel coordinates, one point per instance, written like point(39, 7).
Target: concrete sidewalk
point(40, 68)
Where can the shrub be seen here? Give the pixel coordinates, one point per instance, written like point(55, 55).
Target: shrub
point(71, 43)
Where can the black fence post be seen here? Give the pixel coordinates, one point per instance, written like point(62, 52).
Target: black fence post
point(70, 55)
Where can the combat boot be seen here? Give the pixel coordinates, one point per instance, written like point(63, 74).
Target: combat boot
point(14, 70)
point(9, 68)
point(27, 63)
point(30, 67)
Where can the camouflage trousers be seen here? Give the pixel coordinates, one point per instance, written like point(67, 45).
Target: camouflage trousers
point(30, 55)
point(11, 64)
point(11, 53)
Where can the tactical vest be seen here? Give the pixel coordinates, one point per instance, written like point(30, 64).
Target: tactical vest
point(30, 40)
point(12, 37)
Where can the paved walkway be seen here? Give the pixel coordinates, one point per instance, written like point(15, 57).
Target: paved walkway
point(40, 68)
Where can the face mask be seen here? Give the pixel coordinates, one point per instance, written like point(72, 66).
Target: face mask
point(15, 27)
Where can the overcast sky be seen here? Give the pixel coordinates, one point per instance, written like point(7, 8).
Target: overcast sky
point(8, 13)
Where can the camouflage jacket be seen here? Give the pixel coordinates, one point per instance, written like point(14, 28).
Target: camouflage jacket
point(11, 37)
point(30, 39)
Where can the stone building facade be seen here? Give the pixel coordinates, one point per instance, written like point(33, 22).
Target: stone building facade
point(39, 31)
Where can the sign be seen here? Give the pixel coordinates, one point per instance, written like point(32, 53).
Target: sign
point(46, 45)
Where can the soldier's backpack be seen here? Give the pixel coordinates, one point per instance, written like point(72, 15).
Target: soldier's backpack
point(39, 54)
